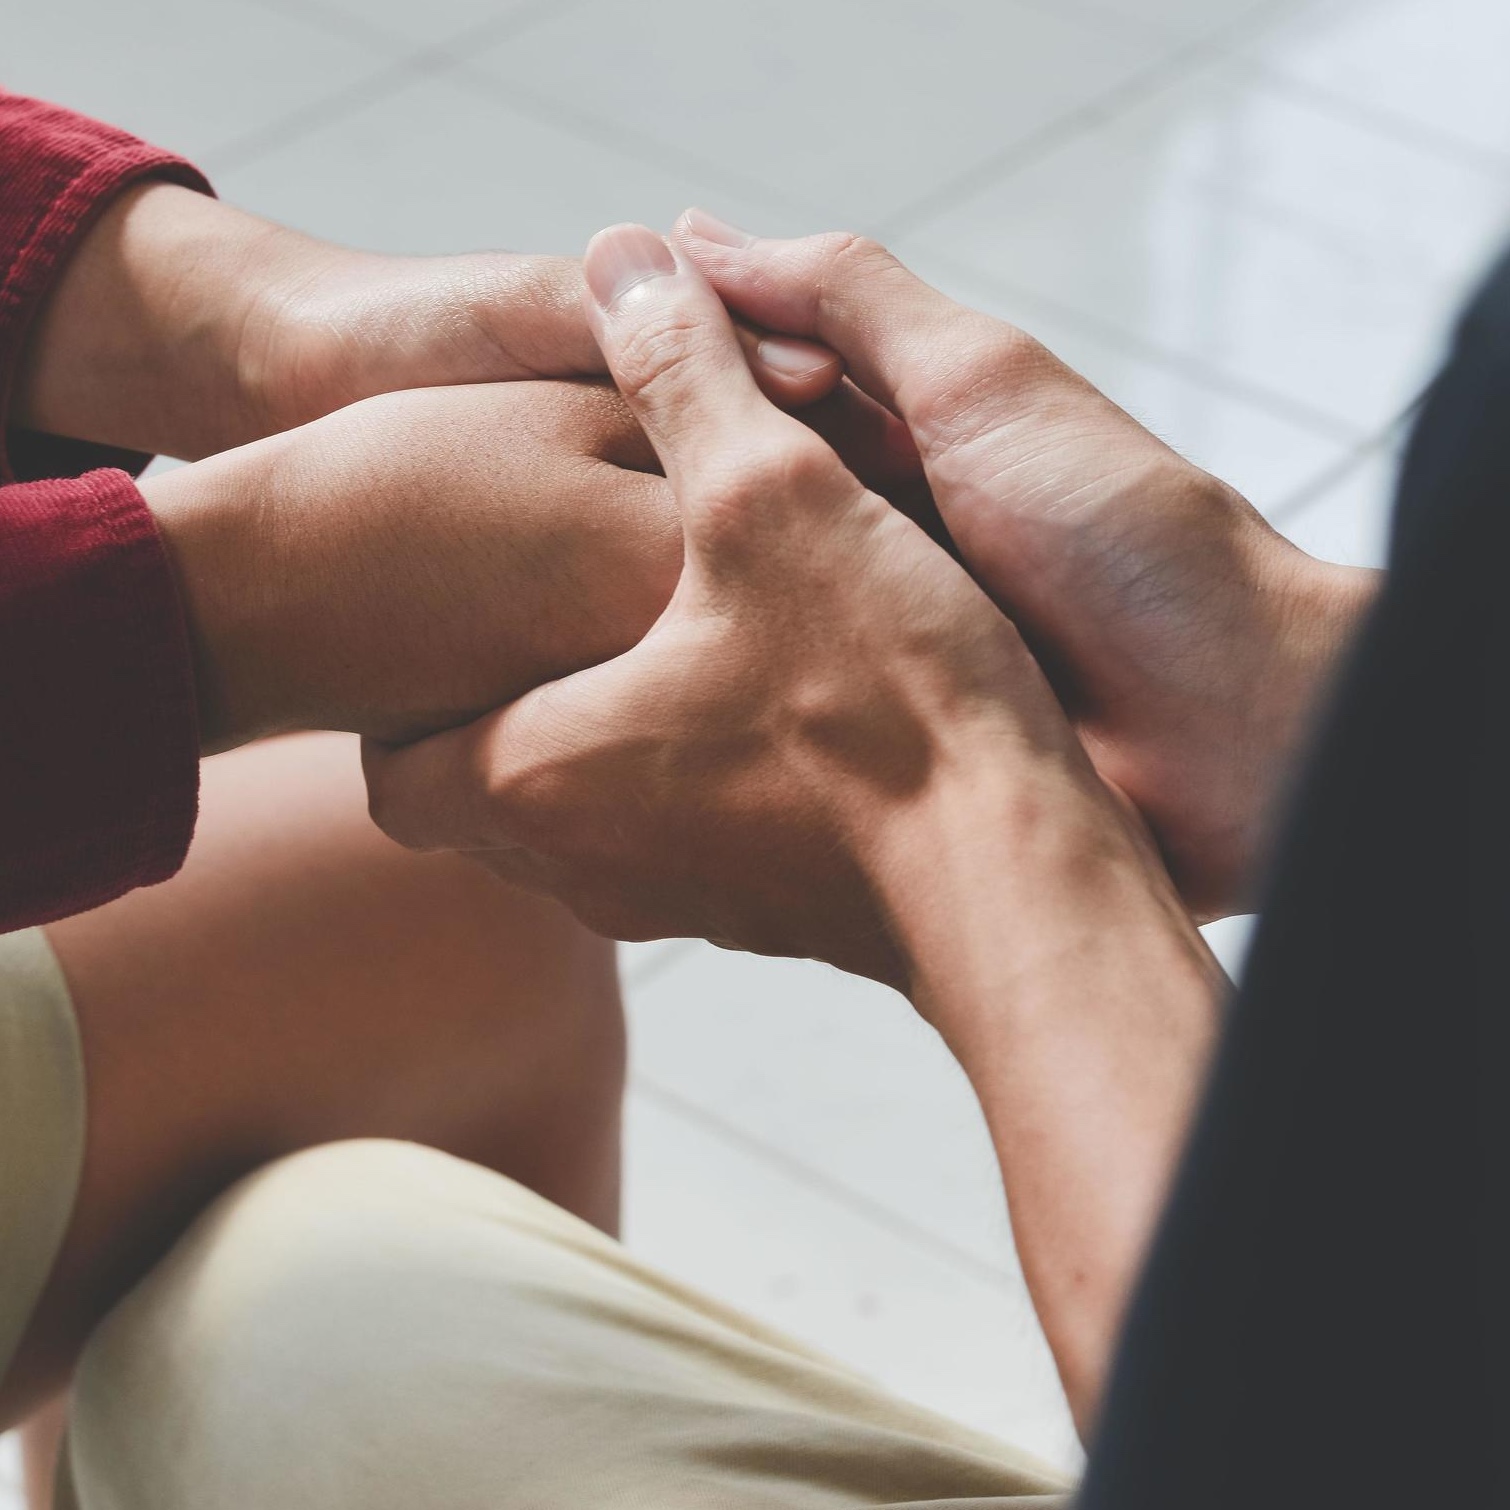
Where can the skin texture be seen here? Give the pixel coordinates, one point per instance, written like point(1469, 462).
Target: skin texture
point(267, 997)
point(187, 327)
point(413, 559)
point(1188, 640)
point(303, 980)
point(832, 743)
point(184, 326)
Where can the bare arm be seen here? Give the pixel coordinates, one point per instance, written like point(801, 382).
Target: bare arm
point(412, 560)
point(833, 744)
point(185, 326)
point(1053, 955)
point(1189, 641)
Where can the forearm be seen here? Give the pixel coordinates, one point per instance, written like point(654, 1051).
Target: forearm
point(139, 344)
point(409, 562)
point(1054, 957)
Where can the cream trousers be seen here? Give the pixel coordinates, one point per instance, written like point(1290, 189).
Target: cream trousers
point(378, 1326)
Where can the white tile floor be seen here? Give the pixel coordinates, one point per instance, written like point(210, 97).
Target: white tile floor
point(1249, 220)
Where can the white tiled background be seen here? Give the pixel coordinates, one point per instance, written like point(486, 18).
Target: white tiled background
point(1249, 220)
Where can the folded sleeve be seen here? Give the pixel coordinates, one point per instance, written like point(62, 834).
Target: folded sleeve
point(98, 731)
point(58, 171)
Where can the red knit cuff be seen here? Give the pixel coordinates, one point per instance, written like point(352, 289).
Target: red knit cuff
point(58, 172)
point(99, 756)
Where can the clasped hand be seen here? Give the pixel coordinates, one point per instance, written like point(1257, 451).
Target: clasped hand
point(961, 680)
point(823, 668)
point(363, 552)
point(821, 665)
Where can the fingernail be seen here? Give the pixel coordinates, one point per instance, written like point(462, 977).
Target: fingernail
point(711, 228)
point(623, 256)
point(793, 358)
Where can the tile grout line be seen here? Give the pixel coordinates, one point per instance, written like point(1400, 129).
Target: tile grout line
point(440, 59)
point(601, 133)
point(1182, 61)
point(451, 47)
point(1005, 1277)
point(246, 149)
point(1352, 461)
point(598, 131)
point(407, 64)
point(1324, 426)
point(1382, 122)
point(338, 23)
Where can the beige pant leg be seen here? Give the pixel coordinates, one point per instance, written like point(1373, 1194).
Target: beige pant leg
point(41, 1125)
point(376, 1326)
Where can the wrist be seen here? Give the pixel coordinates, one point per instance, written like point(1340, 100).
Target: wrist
point(1324, 606)
point(1242, 657)
point(138, 345)
point(999, 886)
point(1047, 946)
point(1316, 610)
point(208, 517)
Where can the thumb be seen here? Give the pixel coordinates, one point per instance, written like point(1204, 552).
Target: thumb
point(531, 309)
point(502, 782)
point(672, 349)
point(925, 357)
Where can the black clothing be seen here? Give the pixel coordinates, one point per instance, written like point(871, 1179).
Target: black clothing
point(1323, 1319)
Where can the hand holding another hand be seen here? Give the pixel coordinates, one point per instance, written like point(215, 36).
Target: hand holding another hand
point(1188, 640)
point(833, 744)
point(822, 673)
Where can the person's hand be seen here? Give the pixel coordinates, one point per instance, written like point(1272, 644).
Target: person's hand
point(1188, 639)
point(833, 744)
point(821, 671)
point(184, 326)
point(409, 561)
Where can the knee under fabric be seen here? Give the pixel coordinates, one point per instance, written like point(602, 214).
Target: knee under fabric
point(373, 1325)
point(41, 1125)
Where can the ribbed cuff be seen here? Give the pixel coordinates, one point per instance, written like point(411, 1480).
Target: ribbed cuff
point(99, 754)
point(58, 172)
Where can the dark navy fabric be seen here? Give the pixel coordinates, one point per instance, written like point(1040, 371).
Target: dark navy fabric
point(1323, 1319)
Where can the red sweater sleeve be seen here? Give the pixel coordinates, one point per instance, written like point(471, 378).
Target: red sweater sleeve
point(98, 738)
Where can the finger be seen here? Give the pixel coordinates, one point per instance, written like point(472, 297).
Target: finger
point(929, 359)
point(867, 437)
point(497, 783)
point(791, 372)
point(532, 307)
point(838, 411)
point(671, 347)
point(878, 449)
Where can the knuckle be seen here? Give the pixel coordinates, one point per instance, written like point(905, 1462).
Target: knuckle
point(850, 255)
point(849, 266)
point(992, 364)
point(753, 489)
point(542, 804)
point(787, 463)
